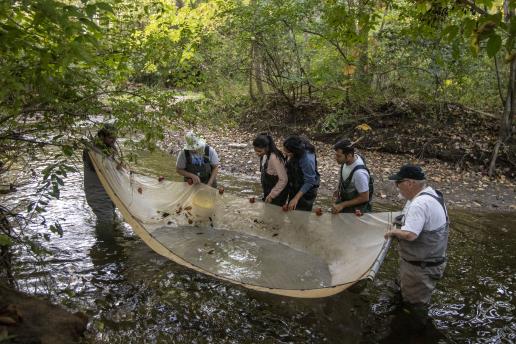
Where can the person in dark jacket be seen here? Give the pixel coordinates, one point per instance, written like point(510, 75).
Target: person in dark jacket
point(303, 177)
point(273, 171)
point(96, 195)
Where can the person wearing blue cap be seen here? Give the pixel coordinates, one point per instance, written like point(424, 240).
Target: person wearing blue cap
point(422, 231)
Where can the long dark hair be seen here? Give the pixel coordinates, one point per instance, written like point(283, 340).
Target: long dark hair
point(265, 141)
point(298, 145)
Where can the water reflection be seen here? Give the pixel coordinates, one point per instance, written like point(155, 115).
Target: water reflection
point(133, 295)
point(108, 254)
point(96, 196)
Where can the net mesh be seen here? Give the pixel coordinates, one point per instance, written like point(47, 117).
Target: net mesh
point(256, 245)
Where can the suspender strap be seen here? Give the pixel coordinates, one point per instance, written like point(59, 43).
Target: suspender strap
point(439, 199)
point(358, 167)
point(188, 157)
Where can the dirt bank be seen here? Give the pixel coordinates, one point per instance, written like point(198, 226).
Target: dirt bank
point(465, 189)
point(27, 319)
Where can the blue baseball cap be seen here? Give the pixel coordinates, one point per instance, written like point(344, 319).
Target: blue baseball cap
point(409, 172)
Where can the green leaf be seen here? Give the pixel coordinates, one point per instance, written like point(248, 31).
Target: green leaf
point(47, 170)
point(450, 32)
point(56, 228)
point(493, 45)
point(105, 7)
point(67, 150)
point(69, 168)
point(5, 240)
point(59, 180)
point(90, 10)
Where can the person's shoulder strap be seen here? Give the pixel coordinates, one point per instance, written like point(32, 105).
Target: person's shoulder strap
point(356, 168)
point(188, 157)
point(363, 160)
point(207, 150)
point(439, 198)
point(266, 163)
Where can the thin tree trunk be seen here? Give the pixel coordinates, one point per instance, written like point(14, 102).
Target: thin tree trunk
point(258, 74)
point(251, 90)
point(505, 132)
point(363, 54)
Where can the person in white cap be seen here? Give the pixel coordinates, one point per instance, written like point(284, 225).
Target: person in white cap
point(198, 161)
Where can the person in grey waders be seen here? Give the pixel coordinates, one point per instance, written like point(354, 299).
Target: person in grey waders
point(422, 232)
point(96, 196)
point(197, 162)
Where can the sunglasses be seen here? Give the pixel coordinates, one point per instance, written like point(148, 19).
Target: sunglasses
point(398, 182)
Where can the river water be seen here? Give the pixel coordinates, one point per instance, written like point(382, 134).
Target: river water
point(133, 295)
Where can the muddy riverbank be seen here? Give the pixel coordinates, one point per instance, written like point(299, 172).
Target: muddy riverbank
point(463, 189)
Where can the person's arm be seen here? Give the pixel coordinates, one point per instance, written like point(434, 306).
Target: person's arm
point(214, 162)
point(361, 182)
point(181, 168)
point(214, 172)
point(195, 178)
point(414, 223)
point(401, 234)
point(277, 166)
point(307, 164)
point(362, 197)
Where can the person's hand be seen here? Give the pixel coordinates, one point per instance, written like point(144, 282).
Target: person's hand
point(387, 235)
point(268, 199)
point(293, 203)
point(196, 179)
point(336, 208)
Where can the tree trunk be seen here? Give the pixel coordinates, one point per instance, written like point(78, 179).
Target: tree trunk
point(505, 132)
point(363, 47)
point(251, 90)
point(257, 67)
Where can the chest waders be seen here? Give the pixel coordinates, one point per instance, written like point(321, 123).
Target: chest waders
point(295, 182)
point(429, 248)
point(347, 192)
point(268, 183)
point(202, 170)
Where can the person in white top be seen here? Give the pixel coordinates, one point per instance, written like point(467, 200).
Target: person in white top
point(355, 187)
point(198, 162)
point(422, 230)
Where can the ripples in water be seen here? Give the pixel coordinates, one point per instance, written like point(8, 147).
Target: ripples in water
point(134, 295)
